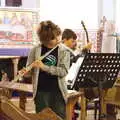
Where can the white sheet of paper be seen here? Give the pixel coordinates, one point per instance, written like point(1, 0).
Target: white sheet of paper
point(73, 71)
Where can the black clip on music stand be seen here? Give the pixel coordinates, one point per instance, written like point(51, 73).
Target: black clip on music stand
point(98, 70)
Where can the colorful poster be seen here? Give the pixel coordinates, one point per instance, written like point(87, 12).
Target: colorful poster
point(17, 26)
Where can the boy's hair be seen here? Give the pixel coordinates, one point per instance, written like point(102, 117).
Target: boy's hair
point(48, 31)
point(68, 33)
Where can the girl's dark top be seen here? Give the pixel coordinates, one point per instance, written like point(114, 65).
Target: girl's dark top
point(46, 81)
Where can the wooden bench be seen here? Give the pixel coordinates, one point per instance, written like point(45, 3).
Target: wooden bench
point(25, 88)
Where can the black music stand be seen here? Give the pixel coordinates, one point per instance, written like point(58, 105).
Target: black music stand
point(98, 70)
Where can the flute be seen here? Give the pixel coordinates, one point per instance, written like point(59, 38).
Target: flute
point(28, 68)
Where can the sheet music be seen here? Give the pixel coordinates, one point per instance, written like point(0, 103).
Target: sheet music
point(72, 72)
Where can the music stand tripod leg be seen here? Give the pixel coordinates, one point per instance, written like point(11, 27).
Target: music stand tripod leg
point(102, 115)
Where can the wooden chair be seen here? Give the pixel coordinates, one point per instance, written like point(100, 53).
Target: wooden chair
point(111, 96)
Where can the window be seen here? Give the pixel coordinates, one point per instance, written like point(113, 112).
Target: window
point(13, 3)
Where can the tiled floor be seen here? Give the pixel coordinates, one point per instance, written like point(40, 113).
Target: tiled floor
point(30, 108)
point(90, 115)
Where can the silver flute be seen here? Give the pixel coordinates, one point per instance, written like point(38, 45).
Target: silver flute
point(19, 76)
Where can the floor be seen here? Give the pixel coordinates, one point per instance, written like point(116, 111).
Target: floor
point(30, 108)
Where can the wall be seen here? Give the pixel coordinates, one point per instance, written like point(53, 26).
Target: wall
point(30, 4)
point(69, 13)
point(107, 8)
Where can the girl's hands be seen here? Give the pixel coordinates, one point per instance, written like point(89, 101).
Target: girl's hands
point(38, 64)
